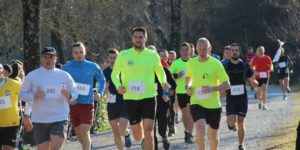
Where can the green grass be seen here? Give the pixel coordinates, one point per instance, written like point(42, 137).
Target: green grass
point(102, 123)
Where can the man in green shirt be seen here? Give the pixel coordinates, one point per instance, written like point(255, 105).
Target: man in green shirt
point(138, 66)
point(205, 77)
point(178, 69)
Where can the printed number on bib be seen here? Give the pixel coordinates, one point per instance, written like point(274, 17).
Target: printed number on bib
point(83, 89)
point(137, 87)
point(52, 91)
point(111, 98)
point(201, 95)
point(5, 102)
point(237, 90)
point(282, 65)
point(263, 75)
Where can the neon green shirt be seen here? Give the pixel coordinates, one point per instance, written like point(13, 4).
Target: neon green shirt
point(177, 66)
point(208, 73)
point(138, 69)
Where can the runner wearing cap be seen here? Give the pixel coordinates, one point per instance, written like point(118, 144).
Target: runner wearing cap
point(50, 91)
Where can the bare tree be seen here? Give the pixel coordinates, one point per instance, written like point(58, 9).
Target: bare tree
point(175, 24)
point(31, 33)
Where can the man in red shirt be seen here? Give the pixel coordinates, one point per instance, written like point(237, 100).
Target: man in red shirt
point(262, 65)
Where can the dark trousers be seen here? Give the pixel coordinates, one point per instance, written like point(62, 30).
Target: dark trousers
point(171, 119)
point(162, 115)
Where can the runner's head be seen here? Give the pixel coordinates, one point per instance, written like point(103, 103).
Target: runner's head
point(78, 51)
point(192, 51)
point(260, 51)
point(172, 56)
point(48, 57)
point(164, 54)
point(185, 50)
point(152, 47)
point(7, 70)
point(139, 37)
point(235, 51)
point(250, 50)
point(203, 47)
point(111, 56)
point(226, 52)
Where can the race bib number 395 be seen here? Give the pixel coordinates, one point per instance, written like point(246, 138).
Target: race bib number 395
point(136, 87)
point(83, 89)
point(5, 102)
point(52, 91)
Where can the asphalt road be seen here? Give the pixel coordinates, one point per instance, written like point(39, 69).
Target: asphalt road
point(261, 126)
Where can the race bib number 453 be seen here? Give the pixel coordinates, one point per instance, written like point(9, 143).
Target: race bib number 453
point(5, 102)
point(136, 87)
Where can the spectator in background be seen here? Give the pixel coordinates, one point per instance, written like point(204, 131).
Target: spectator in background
point(172, 57)
point(7, 70)
point(192, 52)
point(249, 55)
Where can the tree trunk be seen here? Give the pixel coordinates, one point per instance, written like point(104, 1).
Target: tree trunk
point(175, 25)
point(58, 44)
point(31, 33)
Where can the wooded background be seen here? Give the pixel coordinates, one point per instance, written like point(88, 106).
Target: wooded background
point(28, 25)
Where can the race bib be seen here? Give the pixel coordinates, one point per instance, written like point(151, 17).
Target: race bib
point(201, 95)
point(137, 87)
point(282, 65)
point(5, 102)
point(52, 91)
point(83, 89)
point(111, 98)
point(237, 90)
point(263, 75)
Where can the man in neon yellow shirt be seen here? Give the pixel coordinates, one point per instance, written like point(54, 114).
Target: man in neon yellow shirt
point(137, 67)
point(178, 69)
point(9, 111)
point(205, 77)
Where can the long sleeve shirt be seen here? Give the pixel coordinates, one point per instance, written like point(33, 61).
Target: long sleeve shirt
point(54, 106)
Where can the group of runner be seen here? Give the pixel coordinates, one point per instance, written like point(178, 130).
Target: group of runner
point(144, 87)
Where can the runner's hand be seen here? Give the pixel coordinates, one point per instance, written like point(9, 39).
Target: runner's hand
point(72, 102)
point(171, 92)
point(39, 94)
point(66, 93)
point(181, 74)
point(189, 91)
point(27, 124)
point(207, 89)
point(254, 83)
point(97, 96)
point(223, 94)
point(166, 86)
point(121, 90)
point(291, 71)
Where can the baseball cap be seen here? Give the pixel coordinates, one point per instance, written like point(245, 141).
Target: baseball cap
point(49, 50)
